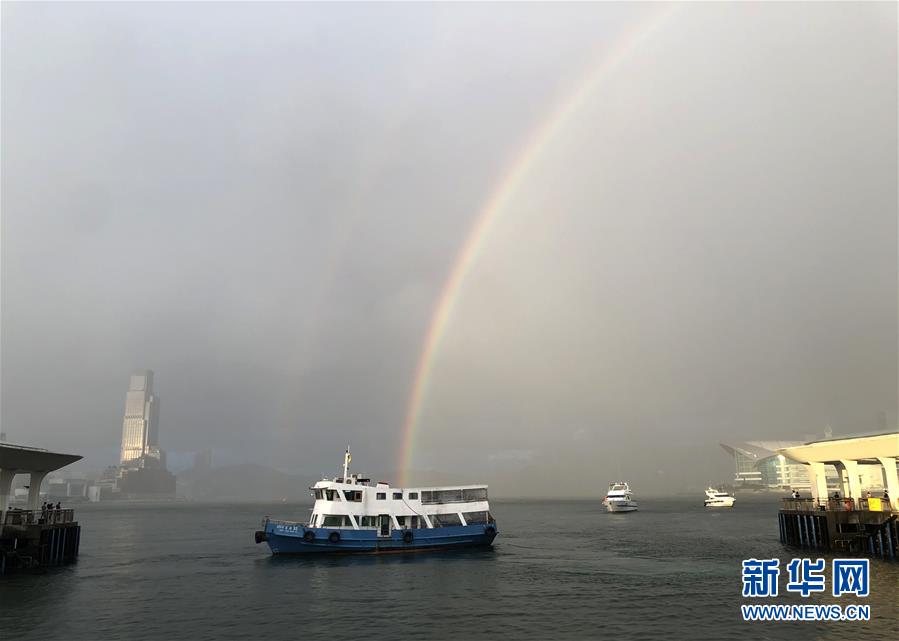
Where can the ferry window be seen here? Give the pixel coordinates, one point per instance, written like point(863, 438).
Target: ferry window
point(333, 521)
point(442, 496)
point(476, 494)
point(475, 517)
point(397, 496)
point(318, 494)
point(369, 521)
point(353, 495)
point(380, 496)
point(445, 520)
point(413, 496)
point(401, 520)
point(332, 495)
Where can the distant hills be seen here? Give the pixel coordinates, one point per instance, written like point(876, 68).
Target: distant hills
point(245, 482)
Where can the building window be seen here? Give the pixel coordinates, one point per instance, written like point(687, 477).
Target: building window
point(413, 496)
point(380, 496)
point(397, 496)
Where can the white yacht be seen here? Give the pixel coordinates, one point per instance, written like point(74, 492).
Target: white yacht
point(619, 498)
point(716, 498)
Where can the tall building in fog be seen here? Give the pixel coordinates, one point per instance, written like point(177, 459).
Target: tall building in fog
point(141, 470)
point(140, 429)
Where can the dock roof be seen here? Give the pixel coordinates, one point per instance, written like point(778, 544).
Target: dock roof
point(858, 447)
point(33, 459)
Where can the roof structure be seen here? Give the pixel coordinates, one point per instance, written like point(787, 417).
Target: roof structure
point(33, 459)
point(855, 448)
point(758, 449)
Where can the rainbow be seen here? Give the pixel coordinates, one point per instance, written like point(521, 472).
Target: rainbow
point(486, 220)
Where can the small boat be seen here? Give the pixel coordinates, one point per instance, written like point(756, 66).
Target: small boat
point(351, 514)
point(619, 498)
point(716, 498)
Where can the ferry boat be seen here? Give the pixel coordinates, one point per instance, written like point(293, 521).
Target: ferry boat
point(619, 498)
point(351, 514)
point(716, 498)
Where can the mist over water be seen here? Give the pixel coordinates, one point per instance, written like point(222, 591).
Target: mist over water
point(263, 203)
point(558, 570)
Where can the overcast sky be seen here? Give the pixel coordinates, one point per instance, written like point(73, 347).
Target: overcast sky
point(262, 203)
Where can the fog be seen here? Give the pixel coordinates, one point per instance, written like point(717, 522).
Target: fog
point(263, 203)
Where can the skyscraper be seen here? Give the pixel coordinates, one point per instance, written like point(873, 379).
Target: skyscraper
point(140, 429)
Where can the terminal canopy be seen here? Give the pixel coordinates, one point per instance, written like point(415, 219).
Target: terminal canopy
point(856, 448)
point(32, 459)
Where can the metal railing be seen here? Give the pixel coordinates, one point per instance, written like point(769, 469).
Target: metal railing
point(38, 517)
point(836, 505)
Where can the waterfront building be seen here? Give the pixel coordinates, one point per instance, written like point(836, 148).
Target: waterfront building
point(759, 465)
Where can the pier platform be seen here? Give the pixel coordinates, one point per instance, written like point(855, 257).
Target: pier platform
point(866, 527)
point(34, 537)
point(853, 519)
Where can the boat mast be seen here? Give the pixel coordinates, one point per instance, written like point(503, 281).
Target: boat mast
point(346, 463)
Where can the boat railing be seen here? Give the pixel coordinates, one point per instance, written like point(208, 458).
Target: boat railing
point(266, 520)
point(38, 517)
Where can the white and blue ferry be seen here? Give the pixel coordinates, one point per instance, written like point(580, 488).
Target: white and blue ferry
point(351, 514)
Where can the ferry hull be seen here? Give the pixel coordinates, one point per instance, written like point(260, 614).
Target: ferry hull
point(296, 539)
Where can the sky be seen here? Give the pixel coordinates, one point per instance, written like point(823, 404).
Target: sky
point(263, 203)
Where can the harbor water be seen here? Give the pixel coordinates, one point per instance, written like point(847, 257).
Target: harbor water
point(558, 570)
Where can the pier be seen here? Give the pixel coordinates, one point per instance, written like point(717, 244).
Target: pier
point(853, 520)
point(846, 526)
point(34, 537)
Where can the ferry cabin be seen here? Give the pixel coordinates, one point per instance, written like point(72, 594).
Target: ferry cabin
point(355, 504)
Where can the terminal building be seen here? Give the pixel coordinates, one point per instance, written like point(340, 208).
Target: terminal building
point(770, 465)
point(758, 465)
